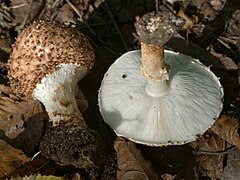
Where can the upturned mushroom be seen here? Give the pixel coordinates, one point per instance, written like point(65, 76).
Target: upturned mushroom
point(46, 63)
point(158, 97)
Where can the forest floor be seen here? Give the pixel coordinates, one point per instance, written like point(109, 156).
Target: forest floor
point(211, 35)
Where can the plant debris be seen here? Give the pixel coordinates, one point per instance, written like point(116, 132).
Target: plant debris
point(209, 151)
point(82, 148)
point(131, 164)
point(10, 158)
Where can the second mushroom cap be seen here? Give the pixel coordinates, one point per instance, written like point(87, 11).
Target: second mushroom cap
point(158, 97)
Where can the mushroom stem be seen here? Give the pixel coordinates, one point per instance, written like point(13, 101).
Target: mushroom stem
point(152, 61)
point(155, 69)
point(157, 88)
point(57, 93)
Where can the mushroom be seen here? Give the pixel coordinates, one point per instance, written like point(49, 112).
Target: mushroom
point(159, 97)
point(46, 63)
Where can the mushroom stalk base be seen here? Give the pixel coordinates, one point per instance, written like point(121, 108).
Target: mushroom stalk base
point(57, 93)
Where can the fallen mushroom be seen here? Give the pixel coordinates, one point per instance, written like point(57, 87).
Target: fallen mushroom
point(158, 97)
point(46, 63)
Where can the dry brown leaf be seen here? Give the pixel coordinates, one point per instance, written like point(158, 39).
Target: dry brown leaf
point(85, 7)
point(14, 112)
point(131, 164)
point(35, 166)
point(167, 176)
point(209, 151)
point(231, 171)
point(10, 158)
point(227, 127)
point(217, 5)
point(21, 121)
point(5, 45)
point(188, 22)
point(228, 63)
point(65, 15)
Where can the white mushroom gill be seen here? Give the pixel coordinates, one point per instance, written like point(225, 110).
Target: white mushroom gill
point(185, 107)
point(57, 93)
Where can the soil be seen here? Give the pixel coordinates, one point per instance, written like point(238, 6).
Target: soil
point(80, 147)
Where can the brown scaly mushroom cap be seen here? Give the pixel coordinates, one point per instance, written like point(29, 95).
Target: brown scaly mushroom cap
point(40, 48)
point(46, 63)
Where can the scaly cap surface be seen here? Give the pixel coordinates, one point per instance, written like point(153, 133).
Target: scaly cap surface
point(40, 48)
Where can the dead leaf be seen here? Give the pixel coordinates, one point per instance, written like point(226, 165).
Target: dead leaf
point(188, 21)
point(85, 7)
point(131, 164)
point(5, 46)
point(231, 171)
point(227, 127)
point(15, 112)
point(65, 15)
point(217, 5)
point(232, 27)
point(36, 166)
point(228, 63)
point(209, 152)
point(10, 158)
point(167, 176)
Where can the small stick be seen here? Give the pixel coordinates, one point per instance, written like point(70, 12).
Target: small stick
point(157, 6)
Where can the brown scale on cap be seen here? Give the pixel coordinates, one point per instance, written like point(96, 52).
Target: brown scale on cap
point(40, 48)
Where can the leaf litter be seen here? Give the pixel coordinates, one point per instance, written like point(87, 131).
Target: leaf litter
point(212, 38)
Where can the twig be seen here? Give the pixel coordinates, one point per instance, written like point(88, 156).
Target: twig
point(234, 106)
point(204, 152)
point(76, 11)
point(18, 6)
point(157, 6)
point(53, 6)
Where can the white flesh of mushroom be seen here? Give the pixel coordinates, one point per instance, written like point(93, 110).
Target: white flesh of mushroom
point(57, 92)
point(156, 113)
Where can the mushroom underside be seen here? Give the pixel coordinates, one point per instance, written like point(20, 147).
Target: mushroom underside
point(191, 105)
